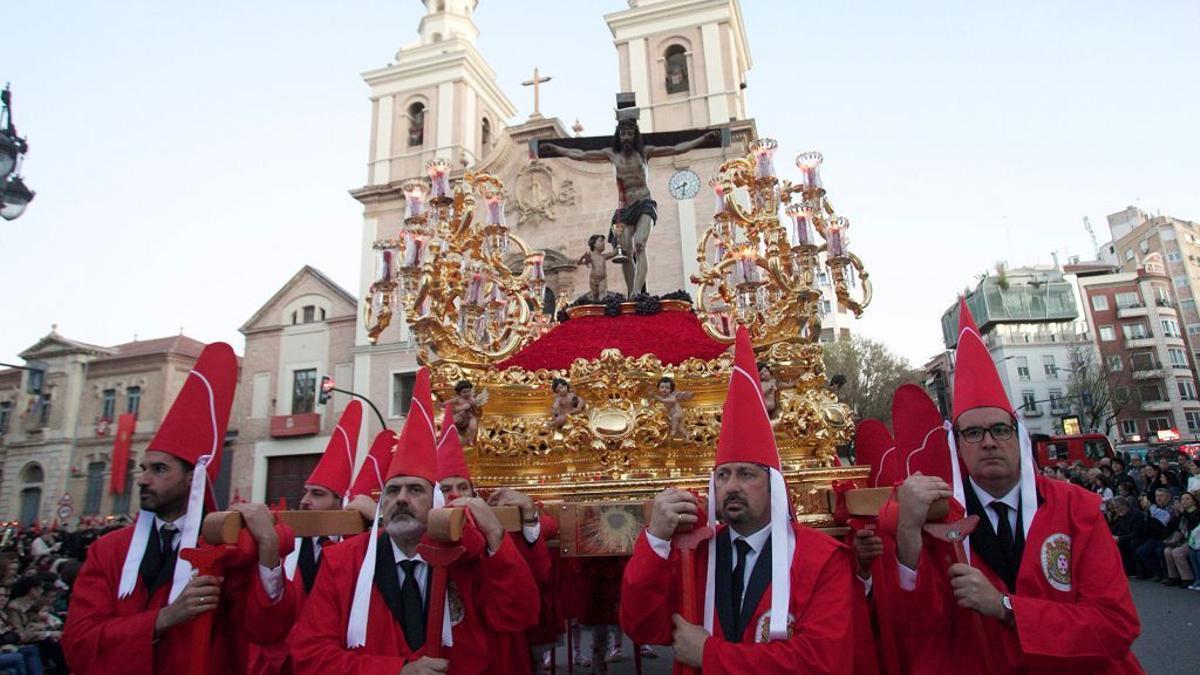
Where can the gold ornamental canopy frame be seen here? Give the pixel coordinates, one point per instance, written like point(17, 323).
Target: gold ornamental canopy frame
point(469, 312)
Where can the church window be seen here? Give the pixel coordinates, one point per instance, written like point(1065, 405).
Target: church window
point(416, 125)
point(677, 70)
point(485, 134)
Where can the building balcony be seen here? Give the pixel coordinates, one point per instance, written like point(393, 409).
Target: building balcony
point(300, 424)
point(1148, 342)
point(1132, 311)
point(1156, 406)
point(1147, 374)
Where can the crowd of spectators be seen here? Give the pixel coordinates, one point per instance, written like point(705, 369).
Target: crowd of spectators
point(37, 569)
point(1153, 512)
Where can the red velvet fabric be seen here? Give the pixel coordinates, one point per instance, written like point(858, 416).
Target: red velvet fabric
point(673, 337)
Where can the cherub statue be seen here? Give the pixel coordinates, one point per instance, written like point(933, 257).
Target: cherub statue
point(670, 398)
point(596, 258)
point(566, 403)
point(771, 388)
point(467, 408)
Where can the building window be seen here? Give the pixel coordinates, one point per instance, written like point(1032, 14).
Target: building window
point(1150, 392)
point(1029, 401)
point(1022, 368)
point(1177, 357)
point(108, 404)
point(1134, 331)
point(416, 125)
point(310, 313)
point(133, 399)
point(1107, 334)
point(1188, 305)
point(1143, 361)
point(1174, 256)
point(1158, 424)
point(1049, 368)
point(95, 489)
point(1145, 246)
point(120, 504)
point(822, 278)
point(1171, 328)
point(1129, 255)
point(1099, 303)
point(677, 70)
point(44, 412)
point(826, 308)
point(485, 134)
point(1193, 421)
point(402, 391)
point(5, 416)
point(1114, 363)
point(1129, 427)
point(1125, 300)
point(304, 390)
point(1181, 281)
point(1187, 390)
point(1057, 402)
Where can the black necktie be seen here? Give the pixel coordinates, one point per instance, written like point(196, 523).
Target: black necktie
point(739, 582)
point(414, 608)
point(1003, 529)
point(158, 565)
point(307, 563)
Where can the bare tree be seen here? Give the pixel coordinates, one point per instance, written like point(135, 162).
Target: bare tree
point(1099, 392)
point(872, 373)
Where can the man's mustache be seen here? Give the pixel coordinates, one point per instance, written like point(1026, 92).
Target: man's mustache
point(733, 499)
point(400, 510)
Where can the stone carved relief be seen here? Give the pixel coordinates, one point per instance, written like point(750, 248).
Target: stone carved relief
point(535, 194)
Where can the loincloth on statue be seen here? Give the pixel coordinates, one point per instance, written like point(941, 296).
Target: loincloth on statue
point(631, 214)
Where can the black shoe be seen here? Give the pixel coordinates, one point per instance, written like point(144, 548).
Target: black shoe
point(1171, 582)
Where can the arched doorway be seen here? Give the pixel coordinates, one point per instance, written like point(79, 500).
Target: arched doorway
point(32, 477)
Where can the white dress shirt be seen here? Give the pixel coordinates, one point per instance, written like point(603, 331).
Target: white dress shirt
point(421, 571)
point(272, 579)
point(756, 541)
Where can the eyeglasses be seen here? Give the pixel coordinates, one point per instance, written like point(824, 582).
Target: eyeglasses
point(999, 431)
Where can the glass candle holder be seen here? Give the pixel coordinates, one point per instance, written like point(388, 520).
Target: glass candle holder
point(809, 164)
point(802, 216)
point(763, 150)
point(384, 264)
point(439, 178)
point(414, 200)
point(835, 236)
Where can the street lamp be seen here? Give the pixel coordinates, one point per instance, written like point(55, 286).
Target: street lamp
point(14, 195)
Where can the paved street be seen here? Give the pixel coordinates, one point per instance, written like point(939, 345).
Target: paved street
point(1169, 645)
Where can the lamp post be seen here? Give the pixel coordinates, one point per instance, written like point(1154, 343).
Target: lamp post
point(14, 195)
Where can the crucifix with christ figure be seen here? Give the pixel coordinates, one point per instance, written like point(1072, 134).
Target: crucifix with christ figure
point(629, 151)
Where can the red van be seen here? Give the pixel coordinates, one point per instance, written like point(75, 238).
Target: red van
point(1087, 448)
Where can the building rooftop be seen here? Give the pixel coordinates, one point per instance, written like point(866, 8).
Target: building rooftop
point(1019, 295)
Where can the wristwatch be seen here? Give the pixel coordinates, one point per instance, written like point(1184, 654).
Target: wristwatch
point(1008, 610)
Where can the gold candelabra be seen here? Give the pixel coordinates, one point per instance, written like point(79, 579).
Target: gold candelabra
point(447, 271)
point(754, 270)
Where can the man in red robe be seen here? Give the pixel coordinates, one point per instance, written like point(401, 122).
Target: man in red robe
point(510, 649)
point(778, 597)
point(134, 599)
point(326, 489)
point(368, 608)
point(1044, 573)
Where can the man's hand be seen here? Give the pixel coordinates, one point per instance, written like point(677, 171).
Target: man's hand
point(973, 591)
point(364, 505)
point(485, 520)
point(689, 642)
point(261, 524)
point(202, 594)
point(914, 496)
point(511, 497)
point(425, 665)
point(672, 507)
point(867, 547)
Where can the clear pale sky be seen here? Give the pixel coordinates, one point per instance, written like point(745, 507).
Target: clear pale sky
point(189, 158)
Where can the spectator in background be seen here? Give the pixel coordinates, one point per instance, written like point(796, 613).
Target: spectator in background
point(25, 614)
point(1128, 526)
point(1193, 481)
point(1121, 475)
point(1136, 474)
point(1175, 553)
point(1096, 483)
point(1162, 522)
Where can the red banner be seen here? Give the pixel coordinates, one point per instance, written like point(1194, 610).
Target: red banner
point(121, 446)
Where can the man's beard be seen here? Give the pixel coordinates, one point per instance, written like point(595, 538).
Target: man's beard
point(403, 525)
point(740, 516)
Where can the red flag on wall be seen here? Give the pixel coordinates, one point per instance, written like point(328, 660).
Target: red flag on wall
point(121, 446)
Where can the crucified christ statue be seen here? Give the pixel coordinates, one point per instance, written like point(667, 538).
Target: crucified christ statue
point(637, 211)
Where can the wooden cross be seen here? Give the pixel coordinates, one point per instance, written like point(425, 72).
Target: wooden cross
point(537, 79)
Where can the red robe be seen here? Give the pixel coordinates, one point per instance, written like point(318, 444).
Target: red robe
point(823, 598)
point(104, 634)
point(511, 648)
point(275, 659)
point(1072, 608)
point(495, 593)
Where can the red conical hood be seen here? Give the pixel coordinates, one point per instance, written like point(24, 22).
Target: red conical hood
point(417, 454)
point(336, 467)
point(196, 423)
point(920, 434)
point(370, 479)
point(451, 460)
point(871, 440)
point(976, 382)
point(746, 434)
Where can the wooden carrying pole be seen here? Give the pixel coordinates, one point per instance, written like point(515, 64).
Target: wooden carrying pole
point(956, 533)
point(224, 527)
